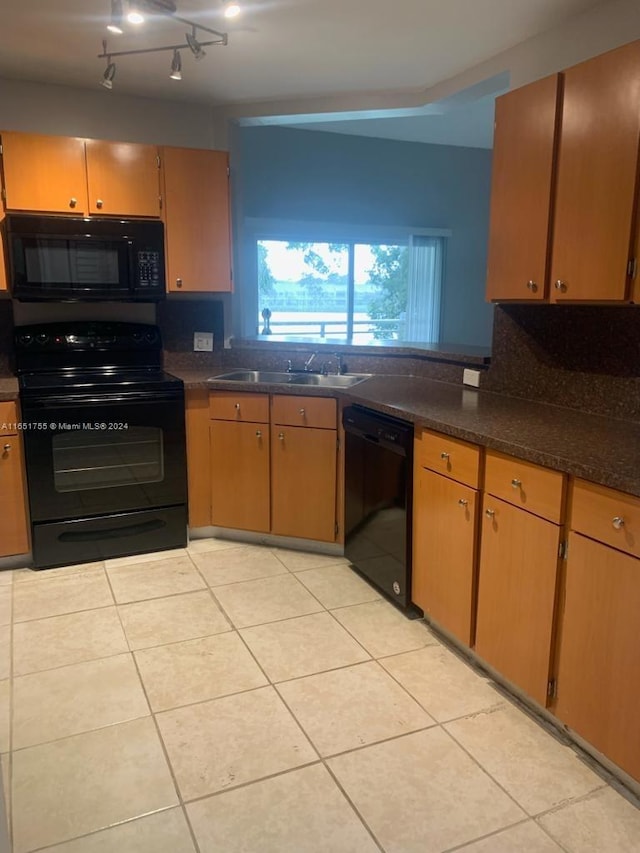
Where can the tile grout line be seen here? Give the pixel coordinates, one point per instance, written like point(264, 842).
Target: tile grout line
point(158, 732)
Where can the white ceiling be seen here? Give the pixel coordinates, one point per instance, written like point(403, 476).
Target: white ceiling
point(279, 48)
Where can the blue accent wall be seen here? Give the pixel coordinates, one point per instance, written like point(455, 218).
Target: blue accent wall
point(287, 174)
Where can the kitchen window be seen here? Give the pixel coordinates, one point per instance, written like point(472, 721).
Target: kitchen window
point(359, 289)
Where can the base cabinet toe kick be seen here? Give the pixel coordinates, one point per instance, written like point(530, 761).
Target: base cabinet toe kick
point(538, 575)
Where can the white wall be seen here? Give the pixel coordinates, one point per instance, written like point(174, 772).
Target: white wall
point(100, 114)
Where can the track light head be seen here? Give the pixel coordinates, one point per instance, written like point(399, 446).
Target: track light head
point(176, 66)
point(231, 9)
point(109, 74)
point(194, 45)
point(115, 24)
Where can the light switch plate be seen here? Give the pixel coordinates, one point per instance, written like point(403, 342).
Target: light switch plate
point(203, 341)
point(471, 377)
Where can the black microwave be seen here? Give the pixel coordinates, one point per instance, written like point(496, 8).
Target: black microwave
point(59, 258)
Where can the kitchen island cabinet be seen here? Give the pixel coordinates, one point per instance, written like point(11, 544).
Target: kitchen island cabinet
point(519, 556)
point(14, 535)
point(521, 191)
point(445, 526)
point(598, 672)
point(196, 215)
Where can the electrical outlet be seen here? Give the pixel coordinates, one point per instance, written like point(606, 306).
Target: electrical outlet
point(471, 377)
point(203, 341)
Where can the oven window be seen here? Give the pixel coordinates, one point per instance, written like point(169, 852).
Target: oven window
point(102, 459)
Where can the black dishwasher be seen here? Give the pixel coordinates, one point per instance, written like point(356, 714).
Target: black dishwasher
point(378, 488)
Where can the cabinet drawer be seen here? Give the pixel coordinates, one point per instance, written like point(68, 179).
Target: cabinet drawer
point(538, 490)
point(8, 417)
point(606, 515)
point(232, 406)
point(317, 412)
point(456, 459)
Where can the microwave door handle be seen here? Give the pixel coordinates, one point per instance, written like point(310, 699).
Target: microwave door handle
point(133, 278)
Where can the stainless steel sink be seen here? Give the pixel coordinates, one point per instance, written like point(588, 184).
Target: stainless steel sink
point(276, 378)
point(330, 381)
point(254, 376)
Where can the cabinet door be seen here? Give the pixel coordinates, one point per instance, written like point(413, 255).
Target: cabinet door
point(516, 595)
point(444, 550)
point(521, 191)
point(4, 284)
point(598, 680)
point(240, 475)
point(303, 486)
point(123, 178)
point(596, 178)
point(44, 173)
point(14, 538)
point(196, 213)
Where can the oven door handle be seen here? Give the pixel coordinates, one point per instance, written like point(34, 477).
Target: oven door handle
point(69, 401)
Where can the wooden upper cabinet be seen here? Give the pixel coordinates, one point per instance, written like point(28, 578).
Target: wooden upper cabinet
point(3, 275)
point(521, 191)
point(596, 177)
point(44, 173)
point(196, 213)
point(123, 178)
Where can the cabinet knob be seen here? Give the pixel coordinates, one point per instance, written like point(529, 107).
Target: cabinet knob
point(302, 412)
point(444, 456)
point(490, 513)
point(618, 522)
point(6, 448)
point(99, 203)
point(281, 436)
point(178, 282)
point(258, 434)
point(532, 286)
point(236, 406)
point(463, 502)
point(73, 202)
point(516, 483)
point(560, 285)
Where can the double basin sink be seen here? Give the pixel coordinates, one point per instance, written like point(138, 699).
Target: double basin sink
point(321, 380)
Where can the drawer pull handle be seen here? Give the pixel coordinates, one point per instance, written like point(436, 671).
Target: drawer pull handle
point(6, 448)
point(237, 407)
point(444, 456)
point(618, 522)
point(302, 412)
point(516, 483)
point(258, 434)
point(281, 436)
point(490, 513)
point(463, 502)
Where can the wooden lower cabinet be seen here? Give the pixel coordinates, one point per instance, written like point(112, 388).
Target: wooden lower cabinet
point(14, 535)
point(240, 475)
point(198, 457)
point(444, 552)
point(516, 595)
point(303, 482)
point(598, 672)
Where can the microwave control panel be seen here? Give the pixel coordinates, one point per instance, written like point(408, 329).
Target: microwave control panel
point(149, 269)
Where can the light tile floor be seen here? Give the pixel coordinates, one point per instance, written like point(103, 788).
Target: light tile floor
point(245, 699)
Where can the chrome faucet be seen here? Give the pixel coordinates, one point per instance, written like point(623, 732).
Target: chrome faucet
point(340, 366)
point(307, 364)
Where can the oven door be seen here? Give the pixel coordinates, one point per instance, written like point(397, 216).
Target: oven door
point(89, 455)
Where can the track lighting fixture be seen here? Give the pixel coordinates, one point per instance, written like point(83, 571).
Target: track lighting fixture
point(231, 9)
point(115, 25)
point(166, 8)
point(176, 66)
point(194, 45)
point(109, 74)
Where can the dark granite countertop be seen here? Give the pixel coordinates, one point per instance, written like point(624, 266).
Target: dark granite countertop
point(603, 450)
point(8, 388)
